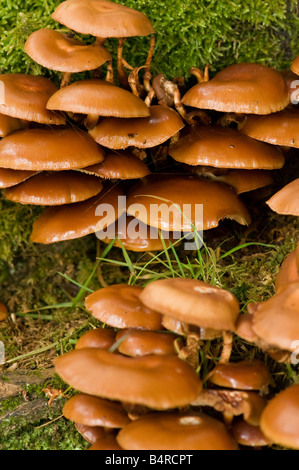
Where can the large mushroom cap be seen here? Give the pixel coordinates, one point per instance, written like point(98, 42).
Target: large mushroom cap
point(120, 306)
point(280, 418)
point(120, 133)
point(225, 147)
point(71, 221)
point(241, 88)
point(26, 96)
point(102, 18)
point(56, 51)
point(286, 200)
point(179, 198)
point(176, 431)
point(49, 149)
point(242, 375)
point(158, 382)
point(193, 302)
point(98, 97)
point(52, 189)
point(277, 128)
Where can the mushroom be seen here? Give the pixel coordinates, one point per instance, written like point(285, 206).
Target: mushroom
point(102, 338)
point(49, 149)
point(289, 270)
point(3, 311)
point(286, 200)
point(295, 65)
point(26, 97)
point(137, 343)
point(55, 188)
point(241, 88)
point(176, 431)
point(280, 418)
point(248, 435)
point(10, 124)
point(156, 382)
point(57, 51)
point(120, 133)
point(243, 181)
point(71, 221)
point(95, 98)
point(120, 306)
point(9, 178)
point(93, 434)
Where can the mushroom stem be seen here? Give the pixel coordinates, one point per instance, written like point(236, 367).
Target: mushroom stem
point(226, 119)
point(91, 121)
point(122, 76)
point(227, 346)
point(109, 75)
point(65, 79)
point(147, 76)
point(201, 76)
point(149, 98)
point(133, 79)
point(190, 352)
point(100, 41)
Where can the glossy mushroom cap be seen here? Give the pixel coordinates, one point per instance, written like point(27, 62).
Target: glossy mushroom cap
point(102, 338)
point(177, 431)
point(26, 97)
point(224, 147)
point(241, 88)
point(106, 443)
point(142, 343)
point(120, 133)
point(246, 180)
point(102, 18)
point(95, 411)
point(119, 165)
point(158, 382)
point(295, 66)
point(56, 51)
point(286, 200)
point(98, 97)
point(275, 321)
point(92, 434)
point(3, 312)
point(120, 306)
point(9, 178)
point(276, 129)
point(9, 124)
point(289, 270)
point(243, 375)
point(280, 418)
point(77, 220)
point(171, 192)
point(193, 302)
point(55, 188)
point(248, 435)
point(49, 149)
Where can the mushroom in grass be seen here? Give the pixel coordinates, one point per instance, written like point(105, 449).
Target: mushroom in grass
point(157, 382)
point(120, 306)
point(3, 311)
point(135, 343)
point(289, 270)
point(71, 221)
point(57, 51)
point(286, 200)
point(95, 98)
point(104, 19)
point(176, 431)
point(26, 97)
point(197, 305)
point(280, 418)
point(55, 188)
point(102, 338)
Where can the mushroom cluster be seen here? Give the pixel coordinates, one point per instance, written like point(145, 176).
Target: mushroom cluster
point(143, 363)
point(113, 135)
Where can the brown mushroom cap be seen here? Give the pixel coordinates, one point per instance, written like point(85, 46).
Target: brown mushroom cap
point(295, 66)
point(246, 180)
point(102, 338)
point(275, 321)
point(142, 343)
point(120, 306)
point(3, 311)
point(71, 221)
point(173, 192)
point(93, 434)
point(120, 133)
point(241, 88)
point(119, 165)
point(9, 178)
point(193, 302)
point(286, 200)
point(243, 375)
point(176, 431)
point(98, 97)
point(244, 328)
point(158, 382)
point(106, 443)
point(248, 435)
point(102, 18)
point(9, 124)
point(56, 51)
point(49, 149)
point(224, 147)
point(289, 270)
point(277, 128)
point(280, 418)
point(142, 238)
point(52, 189)
point(95, 411)
point(26, 97)
point(289, 78)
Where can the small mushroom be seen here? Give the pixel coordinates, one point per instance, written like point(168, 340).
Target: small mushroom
point(102, 338)
point(248, 435)
point(286, 200)
point(289, 270)
point(137, 343)
point(9, 124)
